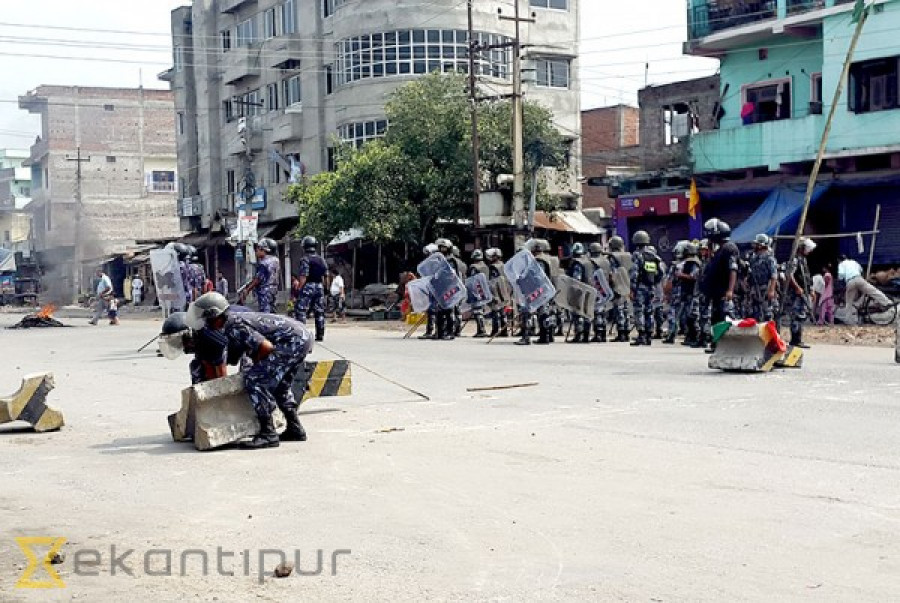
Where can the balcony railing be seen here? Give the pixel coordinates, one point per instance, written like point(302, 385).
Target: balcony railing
point(707, 17)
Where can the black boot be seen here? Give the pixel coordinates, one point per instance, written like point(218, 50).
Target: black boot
point(429, 329)
point(641, 339)
point(525, 338)
point(495, 325)
point(621, 336)
point(670, 338)
point(294, 431)
point(797, 339)
point(599, 336)
point(480, 333)
point(445, 326)
point(266, 438)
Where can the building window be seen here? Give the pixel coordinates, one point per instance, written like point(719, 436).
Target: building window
point(289, 17)
point(109, 107)
point(230, 182)
point(558, 4)
point(873, 85)
point(270, 29)
point(329, 79)
point(272, 97)
point(330, 159)
point(275, 173)
point(359, 133)
point(329, 6)
point(251, 104)
point(179, 59)
point(228, 108)
point(766, 101)
point(180, 123)
point(110, 159)
point(162, 181)
point(226, 40)
point(246, 32)
point(678, 123)
point(552, 73)
point(815, 94)
point(291, 90)
point(418, 51)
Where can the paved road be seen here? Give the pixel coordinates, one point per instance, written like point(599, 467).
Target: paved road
point(625, 474)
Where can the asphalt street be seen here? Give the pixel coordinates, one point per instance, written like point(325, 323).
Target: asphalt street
point(624, 474)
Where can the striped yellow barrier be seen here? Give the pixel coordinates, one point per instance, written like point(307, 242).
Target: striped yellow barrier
point(324, 379)
point(29, 404)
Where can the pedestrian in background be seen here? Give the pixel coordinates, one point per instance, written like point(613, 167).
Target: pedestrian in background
point(825, 307)
point(104, 294)
point(338, 294)
point(137, 290)
point(818, 287)
point(221, 284)
point(858, 288)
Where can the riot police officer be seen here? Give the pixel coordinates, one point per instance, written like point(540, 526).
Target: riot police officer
point(265, 280)
point(197, 272)
point(461, 270)
point(311, 280)
point(763, 280)
point(183, 253)
point(799, 283)
point(445, 318)
point(721, 274)
point(688, 275)
point(620, 264)
point(432, 308)
point(674, 284)
point(581, 270)
point(478, 267)
point(546, 314)
point(500, 292)
point(646, 274)
point(599, 263)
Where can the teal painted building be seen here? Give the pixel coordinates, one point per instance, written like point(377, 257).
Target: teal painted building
point(780, 64)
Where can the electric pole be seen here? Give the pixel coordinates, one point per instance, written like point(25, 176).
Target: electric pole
point(79, 215)
point(518, 118)
point(473, 96)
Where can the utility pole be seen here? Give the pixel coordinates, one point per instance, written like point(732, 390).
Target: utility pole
point(473, 96)
point(518, 118)
point(814, 175)
point(79, 216)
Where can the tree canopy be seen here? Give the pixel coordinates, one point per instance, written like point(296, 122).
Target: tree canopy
point(397, 189)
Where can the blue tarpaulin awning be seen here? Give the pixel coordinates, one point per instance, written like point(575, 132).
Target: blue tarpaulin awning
point(779, 213)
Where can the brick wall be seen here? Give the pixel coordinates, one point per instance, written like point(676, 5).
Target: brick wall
point(605, 131)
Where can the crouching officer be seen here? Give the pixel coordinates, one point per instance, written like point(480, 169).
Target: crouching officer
point(277, 345)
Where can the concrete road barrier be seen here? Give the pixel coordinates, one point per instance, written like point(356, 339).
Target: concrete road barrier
point(745, 349)
point(323, 379)
point(29, 404)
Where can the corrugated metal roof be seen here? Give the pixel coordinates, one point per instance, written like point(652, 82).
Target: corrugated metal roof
point(566, 221)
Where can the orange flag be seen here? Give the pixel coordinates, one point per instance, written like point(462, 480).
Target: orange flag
point(694, 200)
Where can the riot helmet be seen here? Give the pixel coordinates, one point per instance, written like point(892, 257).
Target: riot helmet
point(640, 238)
point(691, 250)
point(762, 240)
point(208, 306)
point(716, 230)
point(577, 250)
point(596, 249)
point(617, 243)
point(477, 255)
point(309, 244)
point(267, 245)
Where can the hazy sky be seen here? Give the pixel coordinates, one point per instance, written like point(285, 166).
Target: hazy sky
point(47, 42)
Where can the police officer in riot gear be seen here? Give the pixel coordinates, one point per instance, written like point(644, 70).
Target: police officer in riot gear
point(265, 280)
point(500, 292)
point(311, 276)
point(599, 262)
point(183, 253)
point(432, 308)
point(461, 270)
point(688, 275)
point(675, 307)
point(799, 284)
point(646, 274)
point(446, 323)
point(546, 314)
point(763, 280)
point(720, 276)
point(620, 264)
point(581, 270)
point(478, 267)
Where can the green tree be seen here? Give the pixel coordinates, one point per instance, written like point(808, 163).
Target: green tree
point(398, 189)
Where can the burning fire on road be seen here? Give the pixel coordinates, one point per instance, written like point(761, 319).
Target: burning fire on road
point(41, 319)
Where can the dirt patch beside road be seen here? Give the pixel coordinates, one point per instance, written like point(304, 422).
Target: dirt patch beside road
point(867, 335)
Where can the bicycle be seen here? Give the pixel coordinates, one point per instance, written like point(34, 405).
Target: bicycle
point(870, 310)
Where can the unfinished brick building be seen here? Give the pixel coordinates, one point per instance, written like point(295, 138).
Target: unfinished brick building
point(128, 186)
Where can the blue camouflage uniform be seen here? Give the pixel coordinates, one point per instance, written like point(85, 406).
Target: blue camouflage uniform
point(676, 306)
point(798, 305)
point(198, 277)
point(645, 276)
point(268, 382)
point(267, 270)
point(763, 269)
point(187, 282)
point(312, 295)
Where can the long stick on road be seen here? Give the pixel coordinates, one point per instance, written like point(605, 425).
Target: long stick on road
point(373, 372)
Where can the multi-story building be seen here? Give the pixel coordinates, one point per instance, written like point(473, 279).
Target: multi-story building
point(116, 148)
point(781, 62)
point(610, 135)
point(264, 88)
point(15, 194)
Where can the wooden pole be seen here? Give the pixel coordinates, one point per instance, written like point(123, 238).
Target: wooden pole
point(814, 175)
point(874, 238)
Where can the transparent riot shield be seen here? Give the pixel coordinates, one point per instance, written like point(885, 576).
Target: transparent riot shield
point(446, 286)
point(601, 284)
point(531, 286)
point(479, 290)
point(420, 294)
point(575, 296)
